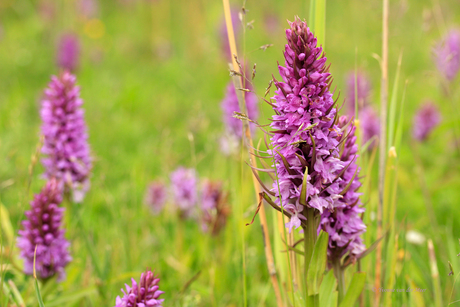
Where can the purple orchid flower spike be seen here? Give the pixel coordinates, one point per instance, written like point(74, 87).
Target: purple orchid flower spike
point(41, 234)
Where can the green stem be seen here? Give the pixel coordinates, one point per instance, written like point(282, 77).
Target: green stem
point(310, 235)
point(338, 272)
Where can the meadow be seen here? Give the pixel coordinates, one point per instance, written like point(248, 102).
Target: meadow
point(152, 75)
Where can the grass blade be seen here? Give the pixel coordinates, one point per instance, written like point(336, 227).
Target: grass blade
point(327, 294)
point(37, 288)
point(320, 21)
point(354, 290)
point(39, 296)
point(394, 94)
point(317, 264)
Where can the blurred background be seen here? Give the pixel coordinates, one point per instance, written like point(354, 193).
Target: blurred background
point(152, 76)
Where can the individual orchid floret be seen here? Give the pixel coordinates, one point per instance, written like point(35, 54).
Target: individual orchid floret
point(66, 149)
point(68, 52)
point(184, 189)
point(214, 206)
point(144, 294)
point(156, 196)
point(447, 54)
point(425, 120)
point(305, 135)
point(343, 223)
point(234, 126)
point(42, 236)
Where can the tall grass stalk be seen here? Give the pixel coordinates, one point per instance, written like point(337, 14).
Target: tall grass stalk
point(435, 275)
point(262, 215)
point(382, 142)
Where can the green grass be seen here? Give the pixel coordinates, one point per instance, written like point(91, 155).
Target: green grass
point(140, 108)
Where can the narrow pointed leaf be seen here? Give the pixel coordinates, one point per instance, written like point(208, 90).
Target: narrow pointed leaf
point(354, 290)
point(303, 192)
point(39, 296)
point(327, 291)
point(317, 264)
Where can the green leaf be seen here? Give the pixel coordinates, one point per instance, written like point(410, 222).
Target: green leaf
point(354, 290)
point(327, 291)
point(317, 264)
point(394, 94)
point(39, 296)
point(303, 193)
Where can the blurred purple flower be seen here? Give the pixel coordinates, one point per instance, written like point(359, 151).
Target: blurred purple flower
point(214, 206)
point(369, 121)
point(369, 124)
point(272, 23)
point(184, 189)
point(224, 36)
point(425, 120)
point(47, 10)
point(156, 196)
point(144, 294)
point(363, 90)
point(88, 8)
point(210, 194)
point(447, 54)
point(234, 126)
point(343, 223)
point(41, 231)
point(68, 52)
point(65, 147)
point(305, 134)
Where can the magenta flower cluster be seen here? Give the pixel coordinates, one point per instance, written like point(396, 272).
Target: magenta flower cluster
point(68, 52)
point(357, 85)
point(369, 121)
point(344, 224)
point(234, 126)
point(184, 189)
point(144, 294)
point(214, 206)
point(66, 149)
point(41, 234)
point(305, 133)
point(425, 120)
point(447, 54)
point(156, 196)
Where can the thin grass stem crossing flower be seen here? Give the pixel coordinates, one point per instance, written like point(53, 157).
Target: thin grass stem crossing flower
point(234, 126)
point(42, 230)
